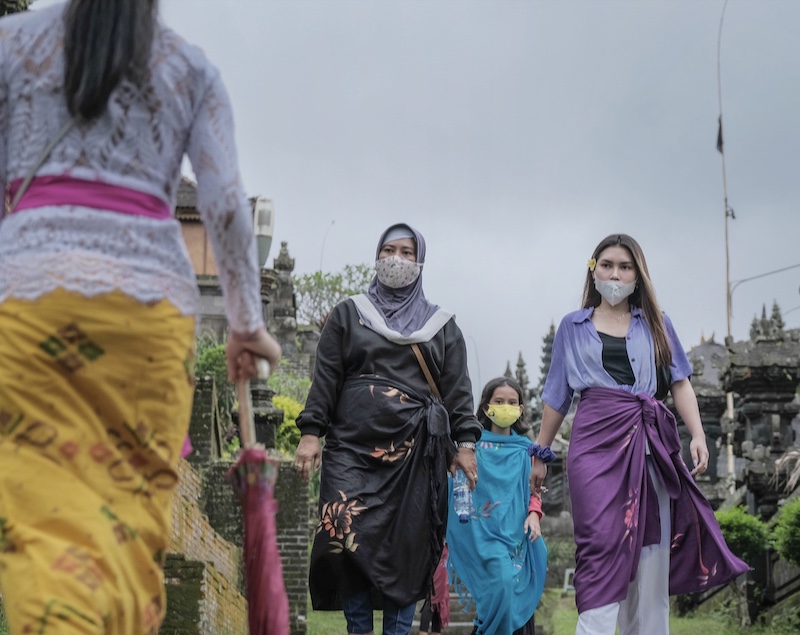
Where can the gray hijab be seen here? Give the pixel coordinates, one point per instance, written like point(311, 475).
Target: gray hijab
point(405, 311)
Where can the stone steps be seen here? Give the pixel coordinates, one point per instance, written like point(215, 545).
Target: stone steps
point(461, 622)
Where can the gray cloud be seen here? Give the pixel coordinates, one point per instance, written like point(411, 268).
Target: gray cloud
point(516, 135)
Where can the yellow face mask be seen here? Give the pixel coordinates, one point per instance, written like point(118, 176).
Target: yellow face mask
point(503, 415)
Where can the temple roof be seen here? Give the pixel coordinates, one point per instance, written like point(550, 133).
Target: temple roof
point(186, 202)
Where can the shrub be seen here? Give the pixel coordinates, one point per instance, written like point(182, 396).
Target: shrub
point(288, 435)
point(211, 362)
point(786, 534)
point(746, 535)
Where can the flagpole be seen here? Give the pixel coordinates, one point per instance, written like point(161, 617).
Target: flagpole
point(721, 148)
point(728, 214)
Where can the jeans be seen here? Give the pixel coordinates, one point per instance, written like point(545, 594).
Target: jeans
point(357, 609)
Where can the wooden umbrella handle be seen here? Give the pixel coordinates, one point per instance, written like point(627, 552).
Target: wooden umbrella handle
point(247, 426)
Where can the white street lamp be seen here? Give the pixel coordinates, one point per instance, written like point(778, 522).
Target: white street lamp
point(263, 227)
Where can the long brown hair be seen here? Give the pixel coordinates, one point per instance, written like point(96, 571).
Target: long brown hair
point(643, 297)
point(105, 41)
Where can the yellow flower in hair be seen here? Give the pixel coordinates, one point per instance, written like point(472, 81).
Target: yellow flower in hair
point(591, 263)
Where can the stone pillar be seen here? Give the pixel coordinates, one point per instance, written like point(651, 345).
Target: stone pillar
point(268, 281)
point(708, 360)
point(203, 427)
point(266, 416)
point(212, 307)
point(284, 308)
point(308, 338)
point(764, 371)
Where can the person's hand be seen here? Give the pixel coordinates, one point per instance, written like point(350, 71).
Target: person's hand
point(532, 527)
point(699, 451)
point(307, 456)
point(538, 474)
point(243, 349)
point(465, 461)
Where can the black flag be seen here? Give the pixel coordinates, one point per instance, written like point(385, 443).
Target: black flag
point(719, 136)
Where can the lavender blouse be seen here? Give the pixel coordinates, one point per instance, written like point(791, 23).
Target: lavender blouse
point(578, 358)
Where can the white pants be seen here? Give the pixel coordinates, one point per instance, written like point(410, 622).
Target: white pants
point(645, 611)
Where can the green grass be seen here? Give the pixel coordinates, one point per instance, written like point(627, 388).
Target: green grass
point(326, 622)
point(331, 622)
point(559, 617)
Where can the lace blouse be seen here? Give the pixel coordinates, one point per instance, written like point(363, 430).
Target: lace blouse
point(138, 143)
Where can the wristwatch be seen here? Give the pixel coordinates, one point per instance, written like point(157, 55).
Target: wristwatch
point(467, 445)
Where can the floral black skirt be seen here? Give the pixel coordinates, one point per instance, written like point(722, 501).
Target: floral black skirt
point(383, 495)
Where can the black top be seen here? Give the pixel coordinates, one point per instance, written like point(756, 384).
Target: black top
point(615, 359)
point(349, 349)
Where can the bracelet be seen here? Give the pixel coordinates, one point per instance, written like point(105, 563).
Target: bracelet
point(545, 454)
point(467, 445)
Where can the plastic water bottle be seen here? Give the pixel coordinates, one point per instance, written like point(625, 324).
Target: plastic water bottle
point(462, 497)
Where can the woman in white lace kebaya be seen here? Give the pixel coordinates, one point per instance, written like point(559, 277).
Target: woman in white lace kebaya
point(98, 303)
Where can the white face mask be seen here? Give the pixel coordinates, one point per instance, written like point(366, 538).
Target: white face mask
point(396, 272)
point(614, 291)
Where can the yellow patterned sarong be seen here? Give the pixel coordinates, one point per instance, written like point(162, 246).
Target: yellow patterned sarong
point(95, 399)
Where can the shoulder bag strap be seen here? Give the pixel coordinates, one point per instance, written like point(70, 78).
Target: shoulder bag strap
point(426, 372)
point(41, 159)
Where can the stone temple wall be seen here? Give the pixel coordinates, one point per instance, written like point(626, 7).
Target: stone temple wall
point(205, 582)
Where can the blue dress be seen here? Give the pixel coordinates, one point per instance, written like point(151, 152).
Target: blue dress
point(490, 555)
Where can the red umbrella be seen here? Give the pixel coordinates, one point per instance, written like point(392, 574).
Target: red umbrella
point(253, 477)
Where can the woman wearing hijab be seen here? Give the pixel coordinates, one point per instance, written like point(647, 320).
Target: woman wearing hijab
point(389, 441)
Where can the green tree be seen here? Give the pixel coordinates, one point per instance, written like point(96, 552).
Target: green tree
point(748, 538)
point(211, 362)
point(286, 383)
point(786, 534)
point(317, 293)
point(746, 535)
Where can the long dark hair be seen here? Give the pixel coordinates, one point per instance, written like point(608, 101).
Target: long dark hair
point(519, 426)
point(644, 296)
point(104, 42)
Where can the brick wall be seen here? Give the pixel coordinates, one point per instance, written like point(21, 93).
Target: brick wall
point(291, 493)
point(219, 504)
point(293, 541)
point(201, 601)
point(203, 570)
point(192, 534)
point(203, 427)
point(207, 533)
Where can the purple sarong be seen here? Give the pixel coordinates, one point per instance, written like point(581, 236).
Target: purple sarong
point(614, 505)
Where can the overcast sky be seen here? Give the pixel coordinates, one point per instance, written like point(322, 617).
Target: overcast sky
point(515, 135)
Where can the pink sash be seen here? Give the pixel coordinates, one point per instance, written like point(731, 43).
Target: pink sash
point(66, 190)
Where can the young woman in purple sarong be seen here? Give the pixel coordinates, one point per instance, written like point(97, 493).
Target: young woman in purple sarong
point(643, 529)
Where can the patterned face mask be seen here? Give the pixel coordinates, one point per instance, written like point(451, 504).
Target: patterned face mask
point(503, 415)
point(396, 272)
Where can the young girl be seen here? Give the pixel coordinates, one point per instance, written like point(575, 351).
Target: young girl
point(498, 555)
